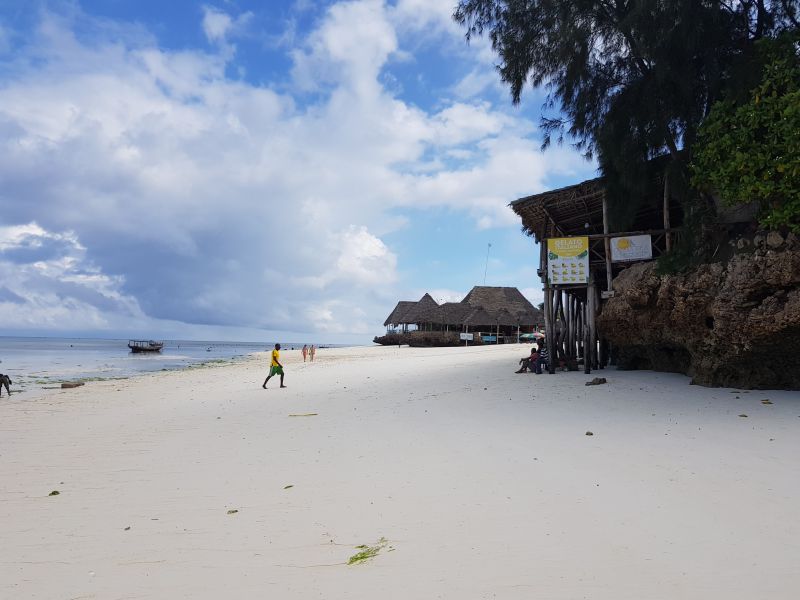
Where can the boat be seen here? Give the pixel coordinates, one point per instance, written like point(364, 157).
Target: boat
point(137, 346)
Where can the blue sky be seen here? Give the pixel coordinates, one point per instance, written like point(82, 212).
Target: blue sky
point(255, 170)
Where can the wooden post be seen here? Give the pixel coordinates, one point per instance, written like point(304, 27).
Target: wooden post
point(568, 321)
point(548, 318)
point(668, 237)
point(587, 355)
point(557, 318)
point(592, 297)
point(607, 244)
point(574, 311)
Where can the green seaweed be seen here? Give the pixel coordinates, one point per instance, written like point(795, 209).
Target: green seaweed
point(368, 552)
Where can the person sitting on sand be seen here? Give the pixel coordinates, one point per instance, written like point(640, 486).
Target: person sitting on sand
point(305, 352)
point(528, 362)
point(275, 366)
point(544, 358)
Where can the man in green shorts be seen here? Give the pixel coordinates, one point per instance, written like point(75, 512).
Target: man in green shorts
point(275, 366)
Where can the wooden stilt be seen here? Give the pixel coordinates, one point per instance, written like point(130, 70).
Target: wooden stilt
point(668, 236)
point(592, 312)
point(587, 354)
point(548, 319)
point(558, 321)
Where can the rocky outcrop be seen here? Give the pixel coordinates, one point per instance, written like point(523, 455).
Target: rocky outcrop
point(733, 324)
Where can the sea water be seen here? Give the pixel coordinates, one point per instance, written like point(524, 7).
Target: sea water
point(32, 362)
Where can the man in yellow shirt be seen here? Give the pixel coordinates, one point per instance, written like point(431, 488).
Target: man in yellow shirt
point(275, 366)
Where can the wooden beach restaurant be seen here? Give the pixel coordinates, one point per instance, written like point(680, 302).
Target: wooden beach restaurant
point(580, 253)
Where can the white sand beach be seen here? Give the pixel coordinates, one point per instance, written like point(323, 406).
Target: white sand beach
point(483, 483)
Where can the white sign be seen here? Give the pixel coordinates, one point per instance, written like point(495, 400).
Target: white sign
point(568, 260)
point(467, 336)
point(633, 247)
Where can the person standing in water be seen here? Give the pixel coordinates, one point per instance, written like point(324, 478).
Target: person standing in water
point(312, 352)
point(305, 352)
point(275, 366)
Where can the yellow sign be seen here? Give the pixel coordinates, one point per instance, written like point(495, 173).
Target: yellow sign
point(568, 260)
point(568, 246)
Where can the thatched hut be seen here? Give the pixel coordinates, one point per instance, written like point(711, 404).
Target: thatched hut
point(397, 317)
point(497, 311)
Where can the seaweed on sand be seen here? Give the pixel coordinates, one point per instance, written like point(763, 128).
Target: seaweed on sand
point(367, 552)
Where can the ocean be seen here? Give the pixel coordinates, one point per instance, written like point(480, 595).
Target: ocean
point(36, 362)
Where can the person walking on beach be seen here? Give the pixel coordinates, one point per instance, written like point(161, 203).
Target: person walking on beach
point(312, 352)
point(305, 352)
point(275, 366)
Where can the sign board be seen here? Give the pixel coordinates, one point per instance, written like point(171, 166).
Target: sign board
point(568, 260)
point(466, 337)
point(632, 247)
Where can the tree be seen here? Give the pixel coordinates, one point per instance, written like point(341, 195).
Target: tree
point(632, 79)
point(750, 150)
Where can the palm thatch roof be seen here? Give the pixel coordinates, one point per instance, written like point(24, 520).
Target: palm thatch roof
point(479, 317)
point(482, 306)
point(420, 309)
point(396, 317)
point(451, 313)
point(506, 305)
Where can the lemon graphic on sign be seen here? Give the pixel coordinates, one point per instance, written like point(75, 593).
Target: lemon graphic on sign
point(623, 243)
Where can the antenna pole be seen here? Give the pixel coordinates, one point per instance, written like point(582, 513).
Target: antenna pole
point(486, 268)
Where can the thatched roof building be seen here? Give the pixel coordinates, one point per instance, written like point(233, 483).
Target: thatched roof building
point(483, 307)
point(398, 314)
point(420, 310)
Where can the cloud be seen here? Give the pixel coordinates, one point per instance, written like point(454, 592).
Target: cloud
point(143, 185)
point(48, 282)
point(219, 26)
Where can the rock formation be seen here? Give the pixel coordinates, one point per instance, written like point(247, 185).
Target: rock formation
point(734, 323)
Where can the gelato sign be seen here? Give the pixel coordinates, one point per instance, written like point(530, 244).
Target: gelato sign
point(632, 247)
point(568, 260)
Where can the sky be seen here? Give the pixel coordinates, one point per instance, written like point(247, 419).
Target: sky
point(253, 171)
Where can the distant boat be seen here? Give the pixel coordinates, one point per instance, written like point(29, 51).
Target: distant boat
point(137, 346)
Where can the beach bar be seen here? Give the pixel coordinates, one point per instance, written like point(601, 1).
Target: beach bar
point(580, 252)
point(500, 314)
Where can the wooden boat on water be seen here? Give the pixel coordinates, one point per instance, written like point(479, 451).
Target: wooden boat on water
point(137, 346)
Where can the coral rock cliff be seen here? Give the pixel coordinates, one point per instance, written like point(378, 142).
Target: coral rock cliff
point(734, 323)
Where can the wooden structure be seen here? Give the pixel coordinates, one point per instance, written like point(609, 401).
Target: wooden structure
point(502, 311)
point(581, 210)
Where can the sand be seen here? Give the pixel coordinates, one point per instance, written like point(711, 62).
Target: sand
point(483, 483)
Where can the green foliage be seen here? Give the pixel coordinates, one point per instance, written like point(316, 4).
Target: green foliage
point(692, 247)
point(750, 151)
point(631, 80)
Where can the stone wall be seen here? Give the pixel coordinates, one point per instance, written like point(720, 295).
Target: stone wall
point(735, 323)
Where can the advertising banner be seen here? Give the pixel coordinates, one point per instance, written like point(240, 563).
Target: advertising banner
point(568, 260)
point(632, 247)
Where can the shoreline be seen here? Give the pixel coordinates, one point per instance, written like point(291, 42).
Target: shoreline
point(482, 482)
point(35, 364)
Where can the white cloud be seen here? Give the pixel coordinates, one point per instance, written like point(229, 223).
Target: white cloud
point(176, 193)
point(219, 26)
point(535, 295)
